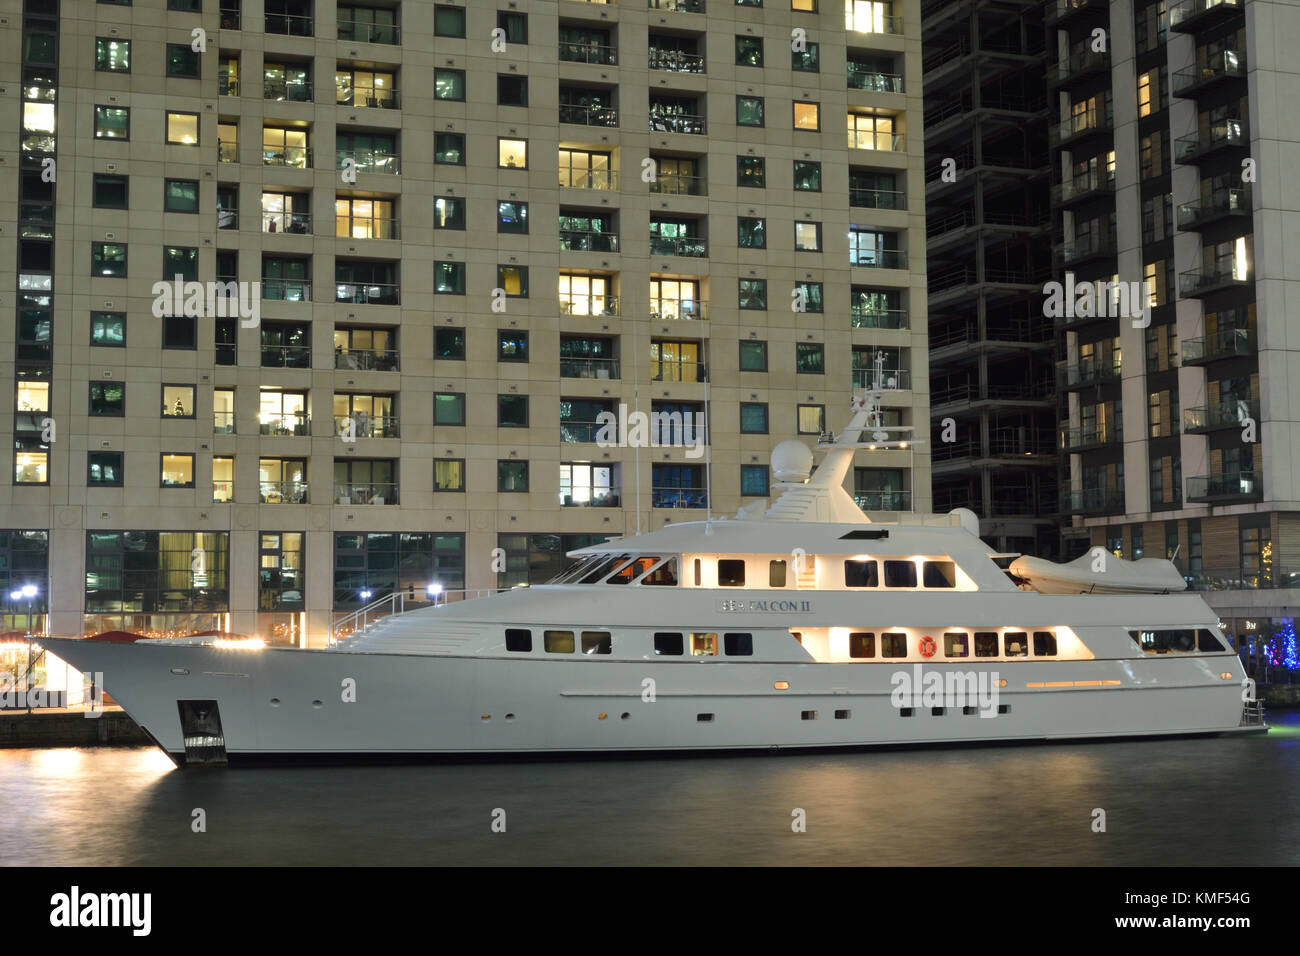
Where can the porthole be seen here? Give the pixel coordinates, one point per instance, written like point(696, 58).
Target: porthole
point(317, 704)
point(624, 716)
point(275, 701)
point(510, 716)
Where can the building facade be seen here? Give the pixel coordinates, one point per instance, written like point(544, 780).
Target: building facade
point(316, 302)
point(1173, 126)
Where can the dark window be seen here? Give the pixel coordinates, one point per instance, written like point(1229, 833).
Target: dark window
point(986, 643)
point(753, 418)
point(752, 294)
point(808, 175)
point(512, 476)
point(861, 574)
point(448, 213)
point(808, 715)
point(512, 217)
point(751, 233)
point(751, 171)
point(731, 573)
point(597, 642)
point(512, 411)
point(448, 21)
point(108, 399)
point(110, 192)
point(753, 355)
point(108, 259)
point(180, 262)
point(900, 574)
point(749, 51)
point(448, 84)
point(108, 328)
point(182, 61)
point(810, 294)
point(518, 640)
point(449, 148)
point(180, 332)
point(1017, 643)
point(807, 60)
point(749, 111)
point(754, 483)
point(862, 644)
point(668, 643)
point(893, 644)
point(1044, 644)
point(1206, 641)
point(810, 358)
point(449, 408)
point(181, 195)
point(515, 26)
point(104, 469)
point(449, 278)
point(512, 346)
point(512, 90)
point(449, 343)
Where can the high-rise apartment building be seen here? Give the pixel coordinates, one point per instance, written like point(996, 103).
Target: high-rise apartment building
point(1173, 124)
point(451, 241)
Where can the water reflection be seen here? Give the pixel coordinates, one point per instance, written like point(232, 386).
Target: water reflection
point(1179, 802)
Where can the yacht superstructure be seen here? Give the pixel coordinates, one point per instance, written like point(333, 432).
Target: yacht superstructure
point(801, 625)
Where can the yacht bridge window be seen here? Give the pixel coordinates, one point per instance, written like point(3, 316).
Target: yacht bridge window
point(862, 644)
point(731, 573)
point(861, 574)
point(956, 644)
point(519, 640)
point(668, 643)
point(665, 575)
point(1176, 640)
point(893, 644)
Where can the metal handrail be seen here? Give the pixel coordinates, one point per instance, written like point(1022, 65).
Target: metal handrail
point(675, 61)
point(296, 223)
point(588, 115)
point(386, 33)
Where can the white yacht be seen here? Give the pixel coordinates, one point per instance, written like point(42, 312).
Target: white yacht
point(796, 626)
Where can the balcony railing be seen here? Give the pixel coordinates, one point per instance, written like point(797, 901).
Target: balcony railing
point(674, 497)
point(676, 6)
point(1090, 372)
point(1230, 485)
point(288, 24)
point(1222, 416)
point(1224, 65)
point(286, 356)
point(582, 433)
point(297, 223)
point(688, 309)
point(366, 493)
point(227, 85)
point(230, 18)
point(892, 379)
point(1080, 64)
point(1198, 282)
point(297, 157)
point(594, 498)
point(874, 82)
point(227, 152)
point(576, 240)
point(588, 367)
point(878, 258)
point(287, 92)
point(883, 500)
point(588, 115)
point(1083, 187)
point(688, 247)
point(1220, 203)
point(595, 53)
point(353, 227)
point(1192, 15)
point(1092, 501)
point(1077, 439)
point(679, 185)
point(678, 372)
point(361, 425)
point(369, 160)
point(665, 122)
point(368, 293)
point(873, 139)
point(283, 492)
point(1062, 9)
point(589, 306)
point(286, 290)
point(362, 32)
point(223, 423)
point(227, 218)
point(377, 360)
point(877, 198)
point(589, 179)
point(371, 99)
point(1225, 343)
point(1083, 124)
point(675, 61)
point(865, 318)
point(1084, 248)
point(1241, 579)
point(284, 423)
point(1225, 134)
point(223, 491)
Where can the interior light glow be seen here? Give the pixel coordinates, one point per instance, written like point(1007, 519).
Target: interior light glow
point(239, 644)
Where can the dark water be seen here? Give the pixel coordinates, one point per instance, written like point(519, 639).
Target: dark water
point(1217, 801)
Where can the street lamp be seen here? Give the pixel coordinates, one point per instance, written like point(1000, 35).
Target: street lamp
point(365, 595)
point(435, 591)
point(28, 591)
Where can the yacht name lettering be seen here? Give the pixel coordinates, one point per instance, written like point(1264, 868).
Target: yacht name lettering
point(764, 607)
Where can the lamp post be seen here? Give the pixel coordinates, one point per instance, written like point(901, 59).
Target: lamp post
point(28, 591)
point(435, 591)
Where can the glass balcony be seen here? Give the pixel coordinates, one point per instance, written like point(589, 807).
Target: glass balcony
point(1224, 65)
point(577, 432)
point(230, 16)
point(894, 379)
point(678, 372)
point(1225, 486)
point(286, 290)
point(1079, 65)
point(1091, 436)
point(363, 32)
point(385, 99)
point(1199, 282)
point(877, 198)
point(669, 122)
point(1092, 501)
point(361, 425)
point(1090, 372)
point(1084, 248)
point(675, 6)
point(284, 92)
point(588, 367)
point(1225, 343)
point(227, 152)
point(377, 360)
point(1066, 9)
point(590, 179)
point(287, 24)
point(1241, 579)
point(593, 306)
point(869, 318)
point(876, 139)
point(586, 241)
point(297, 157)
point(366, 227)
point(367, 293)
point(1225, 134)
point(284, 423)
point(1083, 187)
point(369, 160)
point(297, 223)
point(1225, 415)
point(589, 115)
point(675, 61)
point(679, 185)
point(227, 85)
point(1077, 127)
point(688, 309)
point(883, 500)
point(223, 423)
point(1193, 15)
point(591, 498)
point(594, 53)
point(366, 493)
point(874, 82)
point(1218, 205)
point(685, 246)
point(283, 492)
point(675, 497)
point(873, 258)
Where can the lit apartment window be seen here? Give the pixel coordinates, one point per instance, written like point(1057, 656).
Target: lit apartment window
point(807, 116)
point(282, 480)
point(370, 88)
point(586, 169)
point(448, 84)
point(112, 56)
point(31, 461)
point(286, 82)
point(369, 152)
point(512, 217)
point(586, 295)
point(675, 299)
point(751, 171)
point(512, 153)
point(177, 470)
point(449, 474)
point(223, 478)
point(223, 411)
point(449, 278)
point(286, 212)
point(870, 16)
point(873, 131)
point(178, 401)
point(104, 469)
point(108, 329)
point(285, 147)
point(227, 143)
point(449, 148)
point(588, 485)
point(808, 236)
point(112, 122)
point(514, 280)
point(108, 259)
point(182, 129)
point(365, 416)
point(368, 218)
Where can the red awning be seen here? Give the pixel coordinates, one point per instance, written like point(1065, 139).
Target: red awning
point(116, 637)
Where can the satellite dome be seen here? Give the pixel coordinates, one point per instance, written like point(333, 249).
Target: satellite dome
point(969, 520)
point(791, 461)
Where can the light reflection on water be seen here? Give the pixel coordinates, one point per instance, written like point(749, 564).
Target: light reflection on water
point(1217, 801)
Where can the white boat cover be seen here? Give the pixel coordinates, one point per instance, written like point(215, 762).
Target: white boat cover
point(1099, 572)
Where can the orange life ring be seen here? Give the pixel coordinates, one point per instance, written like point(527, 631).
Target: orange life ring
point(928, 647)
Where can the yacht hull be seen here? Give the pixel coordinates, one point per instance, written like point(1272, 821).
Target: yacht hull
point(285, 705)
